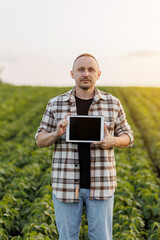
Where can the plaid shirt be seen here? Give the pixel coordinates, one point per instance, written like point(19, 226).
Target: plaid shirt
point(65, 161)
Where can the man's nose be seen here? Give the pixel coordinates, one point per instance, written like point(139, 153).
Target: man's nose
point(86, 73)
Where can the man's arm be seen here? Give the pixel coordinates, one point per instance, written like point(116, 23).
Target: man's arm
point(46, 139)
point(110, 141)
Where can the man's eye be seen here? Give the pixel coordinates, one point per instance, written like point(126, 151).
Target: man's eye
point(81, 69)
point(91, 70)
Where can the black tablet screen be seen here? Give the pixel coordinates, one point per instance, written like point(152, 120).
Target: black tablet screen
point(87, 129)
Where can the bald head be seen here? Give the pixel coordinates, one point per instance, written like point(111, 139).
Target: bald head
point(85, 55)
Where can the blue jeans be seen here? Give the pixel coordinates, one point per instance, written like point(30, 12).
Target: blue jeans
point(99, 216)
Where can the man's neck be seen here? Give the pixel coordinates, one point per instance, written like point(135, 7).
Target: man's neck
point(85, 93)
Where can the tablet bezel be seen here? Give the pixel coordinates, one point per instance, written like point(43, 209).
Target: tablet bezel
point(85, 116)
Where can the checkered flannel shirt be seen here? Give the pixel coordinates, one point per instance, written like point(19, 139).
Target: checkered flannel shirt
point(65, 160)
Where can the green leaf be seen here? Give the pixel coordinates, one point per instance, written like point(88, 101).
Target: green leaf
point(3, 236)
point(16, 238)
point(154, 237)
point(155, 226)
point(8, 225)
point(33, 233)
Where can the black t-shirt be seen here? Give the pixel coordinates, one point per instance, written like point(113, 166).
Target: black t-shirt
point(84, 148)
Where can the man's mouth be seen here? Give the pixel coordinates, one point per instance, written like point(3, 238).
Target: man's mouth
point(86, 80)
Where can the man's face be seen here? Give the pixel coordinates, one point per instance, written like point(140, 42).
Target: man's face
point(85, 72)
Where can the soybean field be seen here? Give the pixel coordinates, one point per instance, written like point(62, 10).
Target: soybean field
point(26, 208)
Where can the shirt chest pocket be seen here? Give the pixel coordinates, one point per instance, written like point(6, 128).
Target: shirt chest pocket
point(109, 121)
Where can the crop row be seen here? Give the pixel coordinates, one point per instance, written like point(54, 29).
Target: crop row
point(146, 117)
point(138, 186)
point(25, 174)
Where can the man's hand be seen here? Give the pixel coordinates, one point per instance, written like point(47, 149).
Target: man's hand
point(46, 139)
point(61, 127)
point(110, 141)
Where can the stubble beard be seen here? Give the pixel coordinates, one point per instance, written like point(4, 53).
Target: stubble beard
point(87, 86)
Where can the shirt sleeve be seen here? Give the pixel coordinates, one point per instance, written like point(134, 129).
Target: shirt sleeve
point(48, 121)
point(122, 126)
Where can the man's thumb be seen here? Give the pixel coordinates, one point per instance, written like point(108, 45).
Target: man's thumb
point(106, 130)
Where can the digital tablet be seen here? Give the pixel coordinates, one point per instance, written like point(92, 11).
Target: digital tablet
point(84, 128)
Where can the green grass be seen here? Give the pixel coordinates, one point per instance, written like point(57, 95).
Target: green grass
point(26, 209)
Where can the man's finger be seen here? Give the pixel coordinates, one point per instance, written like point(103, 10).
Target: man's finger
point(97, 143)
point(63, 123)
point(106, 130)
point(67, 115)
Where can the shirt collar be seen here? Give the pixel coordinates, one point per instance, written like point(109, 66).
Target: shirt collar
point(98, 95)
point(70, 96)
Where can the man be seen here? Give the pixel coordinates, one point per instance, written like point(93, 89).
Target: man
point(84, 173)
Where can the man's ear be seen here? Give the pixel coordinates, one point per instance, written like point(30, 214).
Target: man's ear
point(72, 74)
point(99, 74)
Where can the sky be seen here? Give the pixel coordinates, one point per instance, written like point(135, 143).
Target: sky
point(39, 40)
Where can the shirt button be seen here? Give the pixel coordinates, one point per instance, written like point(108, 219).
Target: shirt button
point(76, 165)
